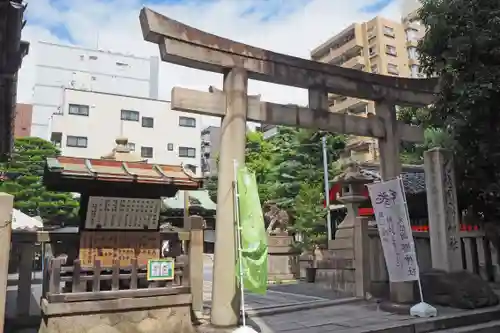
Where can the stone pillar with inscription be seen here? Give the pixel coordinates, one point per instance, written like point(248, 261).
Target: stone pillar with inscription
point(444, 223)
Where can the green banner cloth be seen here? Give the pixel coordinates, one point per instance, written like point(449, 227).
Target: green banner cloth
point(253, 234)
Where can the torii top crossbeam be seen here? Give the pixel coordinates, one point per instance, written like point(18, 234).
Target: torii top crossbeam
point(184, 45)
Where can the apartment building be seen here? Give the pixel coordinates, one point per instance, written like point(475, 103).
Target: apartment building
point(59, 67)
point(89, 122)
point(378, 46)
point(210, 147)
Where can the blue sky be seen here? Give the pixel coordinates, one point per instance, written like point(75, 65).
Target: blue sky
point(293, 27)
point(265, 10)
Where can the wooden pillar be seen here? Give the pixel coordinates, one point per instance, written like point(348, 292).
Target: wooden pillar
point(225, 296)
point(390, 167)
point(25, 274)
point(444, 223)
point(6, 205)
point(196, 263)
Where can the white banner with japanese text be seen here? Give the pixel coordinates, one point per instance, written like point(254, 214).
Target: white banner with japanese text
point(389, 205)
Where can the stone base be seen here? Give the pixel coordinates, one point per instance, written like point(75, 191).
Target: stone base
point(126, 319)
point(397, 308)
point(282, 263)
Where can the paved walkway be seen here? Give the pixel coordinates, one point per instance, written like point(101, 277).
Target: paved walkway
point(282, 295)
point(344, 318)
point(277, 295)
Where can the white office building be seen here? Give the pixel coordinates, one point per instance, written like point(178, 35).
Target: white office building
point(59, 67)
point(88, 124)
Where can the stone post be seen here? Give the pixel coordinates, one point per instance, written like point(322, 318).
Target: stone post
point(6, 205)
point(444, 223)
point(196, 263)
point(225, 296)
point(361, 257)
point(390, 167)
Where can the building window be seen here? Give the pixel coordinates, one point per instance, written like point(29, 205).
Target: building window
point(170, 147)
point(187, 152)
point(79, 110)
point(411, 34)
point(93, 57)
point(389, 31)
point(147, 152)
point(374, 69)
point(392, 69)
point(413, 53)
point(121, 64)
point(148, 122)
point(131, 146)
point(414, 71)
point(56, 139)
point(372, 52)
point(371, 32)
point(130, 115)
point(390, 50)
point(187, 122)
point(192, 168)
point(76, 141)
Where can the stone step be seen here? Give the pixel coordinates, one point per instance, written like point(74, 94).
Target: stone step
point(489, 327)
point(450, 323)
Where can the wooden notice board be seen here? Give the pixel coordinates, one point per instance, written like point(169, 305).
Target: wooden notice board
point(106, 246)
point(122, 213)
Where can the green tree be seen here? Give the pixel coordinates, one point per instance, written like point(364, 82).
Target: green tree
point(24, 174)
point(258, 158)
point(299, 160)
point(462, 47)
point(310, 219)
point(210, 185)
point(434, 136)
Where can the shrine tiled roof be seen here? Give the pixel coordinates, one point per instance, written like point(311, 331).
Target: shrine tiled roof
point(413, 177)
point(122, 171)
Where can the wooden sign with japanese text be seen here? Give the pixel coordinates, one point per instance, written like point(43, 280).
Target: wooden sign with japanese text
point(106, 246)
point(122, 213)
point(389, 205)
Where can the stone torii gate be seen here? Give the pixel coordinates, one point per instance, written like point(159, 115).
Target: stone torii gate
point(184, 45)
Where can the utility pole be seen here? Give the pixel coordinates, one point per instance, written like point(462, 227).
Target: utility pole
point(327, 189)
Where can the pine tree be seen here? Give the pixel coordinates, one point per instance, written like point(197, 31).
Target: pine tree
point(23, 179)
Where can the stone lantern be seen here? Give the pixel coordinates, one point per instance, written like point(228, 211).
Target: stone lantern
point(352, 194)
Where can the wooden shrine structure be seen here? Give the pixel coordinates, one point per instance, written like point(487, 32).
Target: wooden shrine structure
point(120, 265)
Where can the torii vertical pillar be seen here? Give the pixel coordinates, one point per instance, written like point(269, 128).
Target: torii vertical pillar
point(225, 296)
point(390, 167)
point(6, 205)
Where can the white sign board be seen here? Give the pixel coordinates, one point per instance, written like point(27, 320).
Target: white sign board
point(122, 213)
point(389, 205)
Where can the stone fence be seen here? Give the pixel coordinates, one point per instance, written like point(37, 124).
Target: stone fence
point(337, 271)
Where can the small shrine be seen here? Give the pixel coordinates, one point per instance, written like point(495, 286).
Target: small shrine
point(122, 253)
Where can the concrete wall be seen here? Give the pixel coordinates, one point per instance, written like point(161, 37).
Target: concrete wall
point(103, 125)
point(62, 66)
